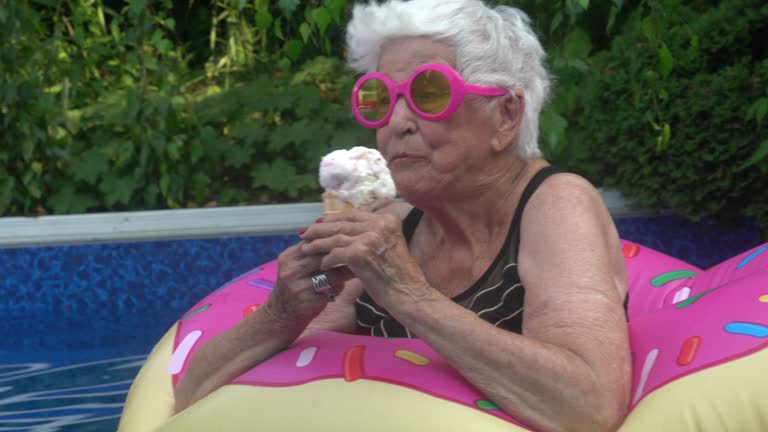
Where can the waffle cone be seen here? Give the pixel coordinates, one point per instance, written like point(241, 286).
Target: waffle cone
point(334, 204)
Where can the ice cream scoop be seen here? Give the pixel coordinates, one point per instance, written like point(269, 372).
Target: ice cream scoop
point(355, 178)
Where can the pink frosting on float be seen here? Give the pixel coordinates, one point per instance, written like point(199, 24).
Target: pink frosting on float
point(714, 299)
point(681, 320)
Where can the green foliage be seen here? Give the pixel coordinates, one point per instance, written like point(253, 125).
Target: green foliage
point(258, 34)
point(673, 116)
point(100, 110)
point(149, 104)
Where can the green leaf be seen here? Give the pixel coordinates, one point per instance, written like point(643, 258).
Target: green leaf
point(174, 148)
point(195, 150)
point(666, 61)
point(663, 139)
point(6, 193)
point(136, 7)
point(284, 64)
point(264, 20)
point(118, 189)
point(305, 31)
point(322, 18)
point(309, 100)
point(578, 64)
point(164, 45)
point(67, 200)
point(299, 134)
point(237, 156)
point(293, 48)
point(695, 44)
point(164, 183)
point(232, 196)
point(251, 131)
point(553, 127)
point(90, 165)
point(280, 176)
point(577, 45)
point(36, 167)
point(34, 189)
point(335, 7)
point(279, 29)
point(584, 4)
point(200, 186)
point(288, 6)
point(758, 110)
point(213, 144)
point(611, 19)
point(649, 29)
point(122, 151)
point(760, 153)
point(557, 20)
point(27, 147)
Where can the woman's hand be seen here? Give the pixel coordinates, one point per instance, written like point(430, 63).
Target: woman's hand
point(372, 246)
point(293, 301)
point(286, 314)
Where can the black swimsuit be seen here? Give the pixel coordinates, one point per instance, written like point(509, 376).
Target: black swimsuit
point(496, 297)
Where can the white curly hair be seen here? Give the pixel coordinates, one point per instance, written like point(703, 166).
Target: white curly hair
point(494, 47)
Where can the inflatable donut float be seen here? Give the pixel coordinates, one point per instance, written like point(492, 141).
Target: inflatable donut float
point(698, 341)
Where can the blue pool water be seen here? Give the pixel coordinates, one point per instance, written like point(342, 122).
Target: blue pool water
point(78, 321)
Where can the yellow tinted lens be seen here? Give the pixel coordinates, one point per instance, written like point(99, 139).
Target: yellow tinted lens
point(431, 92)
point(373, 100)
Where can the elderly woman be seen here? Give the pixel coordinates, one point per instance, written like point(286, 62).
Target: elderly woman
point(509, 269)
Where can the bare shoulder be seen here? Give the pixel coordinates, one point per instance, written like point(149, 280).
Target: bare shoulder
point(567, 190)
point(567, 226)
point(568, 202)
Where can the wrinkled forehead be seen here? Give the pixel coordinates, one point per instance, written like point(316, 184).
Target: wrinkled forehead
point(400, 56)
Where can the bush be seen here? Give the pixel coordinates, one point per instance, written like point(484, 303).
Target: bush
point(151, 104)
point(101, 112)
point(673, 114)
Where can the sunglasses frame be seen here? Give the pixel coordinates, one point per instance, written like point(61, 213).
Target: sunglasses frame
point(458, 88)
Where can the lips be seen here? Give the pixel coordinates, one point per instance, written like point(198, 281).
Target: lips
point(405, 157)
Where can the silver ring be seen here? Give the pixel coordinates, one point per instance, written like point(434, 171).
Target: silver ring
point(322, 285)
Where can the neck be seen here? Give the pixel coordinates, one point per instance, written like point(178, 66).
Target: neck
point(475, 215)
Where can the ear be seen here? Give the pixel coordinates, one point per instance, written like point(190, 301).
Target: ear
point(510, 115)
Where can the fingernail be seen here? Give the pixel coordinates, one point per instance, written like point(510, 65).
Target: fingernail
point(302, 231)
point(318, 220)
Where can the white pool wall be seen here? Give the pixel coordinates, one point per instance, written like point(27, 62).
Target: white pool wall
point(186, 223)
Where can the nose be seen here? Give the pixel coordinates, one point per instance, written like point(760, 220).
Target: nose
point(403, 120)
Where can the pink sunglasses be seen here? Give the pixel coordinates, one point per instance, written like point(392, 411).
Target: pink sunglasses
point(433, 91)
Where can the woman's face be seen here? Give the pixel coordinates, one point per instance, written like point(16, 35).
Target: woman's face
point(431, 158)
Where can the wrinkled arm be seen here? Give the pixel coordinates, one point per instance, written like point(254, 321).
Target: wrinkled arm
point(270, 329)
point(254, 339)
point(570, 370)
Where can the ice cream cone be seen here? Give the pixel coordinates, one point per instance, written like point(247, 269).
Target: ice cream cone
point(355, 179)
point(333, 204)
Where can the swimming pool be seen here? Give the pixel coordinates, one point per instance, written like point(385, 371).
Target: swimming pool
point(79, 319)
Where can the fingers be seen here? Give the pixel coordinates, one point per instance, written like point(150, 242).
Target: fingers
point(325, 245)
point(330, 229)
point(339, 275)
point(352, 255)
point(294, 299)
point(294, 263)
